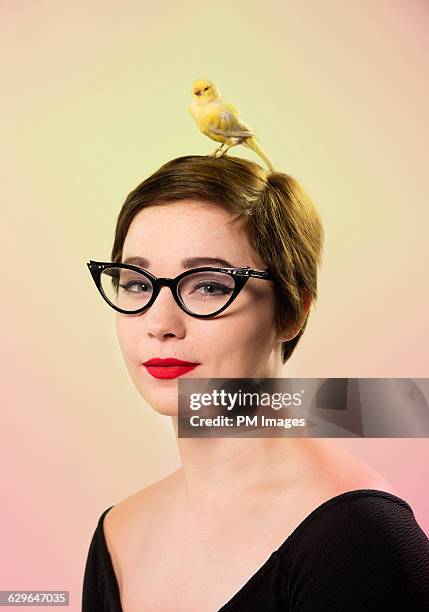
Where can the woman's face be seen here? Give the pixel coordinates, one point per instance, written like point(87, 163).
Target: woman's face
point(240, 342)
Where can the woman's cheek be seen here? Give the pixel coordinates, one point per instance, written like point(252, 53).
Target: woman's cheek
point(128, 341)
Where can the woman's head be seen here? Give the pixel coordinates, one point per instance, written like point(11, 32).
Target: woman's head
point(231, 209)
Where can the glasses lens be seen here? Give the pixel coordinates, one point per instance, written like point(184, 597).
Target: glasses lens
point(126, 289)
point(205, 292)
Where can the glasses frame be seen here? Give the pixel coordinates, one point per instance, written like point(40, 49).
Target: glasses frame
point(240, 276)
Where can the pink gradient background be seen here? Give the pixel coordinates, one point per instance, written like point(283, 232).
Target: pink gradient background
point(94, 98)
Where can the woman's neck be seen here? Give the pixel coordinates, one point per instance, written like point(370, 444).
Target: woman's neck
point(215, 470)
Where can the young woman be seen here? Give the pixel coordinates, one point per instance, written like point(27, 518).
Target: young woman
point(245, 523)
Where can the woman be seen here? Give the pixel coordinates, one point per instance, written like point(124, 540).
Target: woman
point(244, 523)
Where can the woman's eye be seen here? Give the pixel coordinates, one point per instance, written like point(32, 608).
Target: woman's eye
point(212, 289)
point(128, 287)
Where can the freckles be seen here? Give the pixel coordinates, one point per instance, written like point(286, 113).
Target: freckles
point(217, 341)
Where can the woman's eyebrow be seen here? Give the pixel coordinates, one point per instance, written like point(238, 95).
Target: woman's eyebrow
point(189, 262)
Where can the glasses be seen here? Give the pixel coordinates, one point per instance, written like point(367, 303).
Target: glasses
point(200, 292)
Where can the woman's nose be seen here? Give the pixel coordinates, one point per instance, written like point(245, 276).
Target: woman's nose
point(164, 316)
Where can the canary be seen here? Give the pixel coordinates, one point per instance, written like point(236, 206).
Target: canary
point(220, 121)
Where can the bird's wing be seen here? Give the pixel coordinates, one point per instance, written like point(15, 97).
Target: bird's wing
point(225, 122)
point(231, 108)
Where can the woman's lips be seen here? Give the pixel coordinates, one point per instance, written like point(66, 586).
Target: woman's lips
point(168, 368)
point(168, 371)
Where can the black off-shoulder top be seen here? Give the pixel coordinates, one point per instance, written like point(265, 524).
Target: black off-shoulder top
point(359, 551)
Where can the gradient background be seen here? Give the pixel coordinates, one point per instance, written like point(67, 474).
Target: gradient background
point(94, 98)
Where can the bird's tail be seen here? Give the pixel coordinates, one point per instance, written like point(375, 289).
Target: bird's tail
point(252, 144)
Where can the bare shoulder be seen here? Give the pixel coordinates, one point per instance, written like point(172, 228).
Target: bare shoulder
point(128, 521)
point(338, 471)
point(363, 480)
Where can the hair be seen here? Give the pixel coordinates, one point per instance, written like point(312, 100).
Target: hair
point(278, 217)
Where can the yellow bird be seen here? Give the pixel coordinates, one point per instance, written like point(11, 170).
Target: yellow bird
point(220, 121)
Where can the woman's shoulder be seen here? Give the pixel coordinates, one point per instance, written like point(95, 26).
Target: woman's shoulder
point(359, 544)
point(126, 523)
point(125, 512)
point(360, 550)
point(349, 499)
point(358, 513)
point(332, 478)
point(337, 471)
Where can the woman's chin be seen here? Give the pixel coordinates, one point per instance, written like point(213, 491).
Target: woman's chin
point(163, 401)
point(168, 410)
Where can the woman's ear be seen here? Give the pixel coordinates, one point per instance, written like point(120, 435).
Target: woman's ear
point(293, 329)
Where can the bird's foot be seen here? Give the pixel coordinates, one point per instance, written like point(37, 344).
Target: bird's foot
point(217, 153)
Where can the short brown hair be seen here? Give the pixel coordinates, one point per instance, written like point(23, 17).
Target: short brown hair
point(280, 221)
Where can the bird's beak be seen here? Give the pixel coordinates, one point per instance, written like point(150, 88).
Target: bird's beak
point(197, 92)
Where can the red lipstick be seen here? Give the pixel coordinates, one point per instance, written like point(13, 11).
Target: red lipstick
point(169, 367)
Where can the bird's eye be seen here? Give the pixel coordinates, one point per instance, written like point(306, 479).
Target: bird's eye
point(206, 88)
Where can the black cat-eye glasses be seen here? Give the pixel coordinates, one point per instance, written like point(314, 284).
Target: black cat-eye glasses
point(200, 292)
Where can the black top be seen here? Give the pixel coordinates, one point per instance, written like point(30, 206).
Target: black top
point(359, 551)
